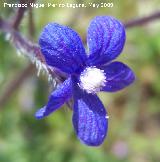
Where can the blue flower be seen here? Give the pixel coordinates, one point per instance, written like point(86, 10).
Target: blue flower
point(87, 73)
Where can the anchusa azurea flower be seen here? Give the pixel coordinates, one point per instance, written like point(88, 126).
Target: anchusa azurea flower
point(87, 73)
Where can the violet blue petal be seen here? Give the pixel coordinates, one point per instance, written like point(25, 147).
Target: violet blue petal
point(90, 119)
point(56, 99)
point(118, 76)
point(106, 38)
point(62, 48)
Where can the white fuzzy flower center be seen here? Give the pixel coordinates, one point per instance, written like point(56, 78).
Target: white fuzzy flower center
point(92, 79)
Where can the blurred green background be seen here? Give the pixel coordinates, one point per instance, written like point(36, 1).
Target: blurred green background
point(134, 123)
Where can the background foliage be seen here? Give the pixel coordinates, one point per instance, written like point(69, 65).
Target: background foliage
point(134, 123)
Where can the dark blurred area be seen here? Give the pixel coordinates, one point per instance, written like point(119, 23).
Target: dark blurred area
point(134, 113)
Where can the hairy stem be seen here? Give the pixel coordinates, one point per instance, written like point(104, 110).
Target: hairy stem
point(143, 20)
point(20, 14)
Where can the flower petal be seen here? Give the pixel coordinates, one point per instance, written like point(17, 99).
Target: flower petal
point(62, 47)
point(106, 38)
point(89, 118)
point(118, 76)
point(56, 99)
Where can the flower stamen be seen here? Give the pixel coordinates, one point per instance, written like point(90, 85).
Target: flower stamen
point(92, 79)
